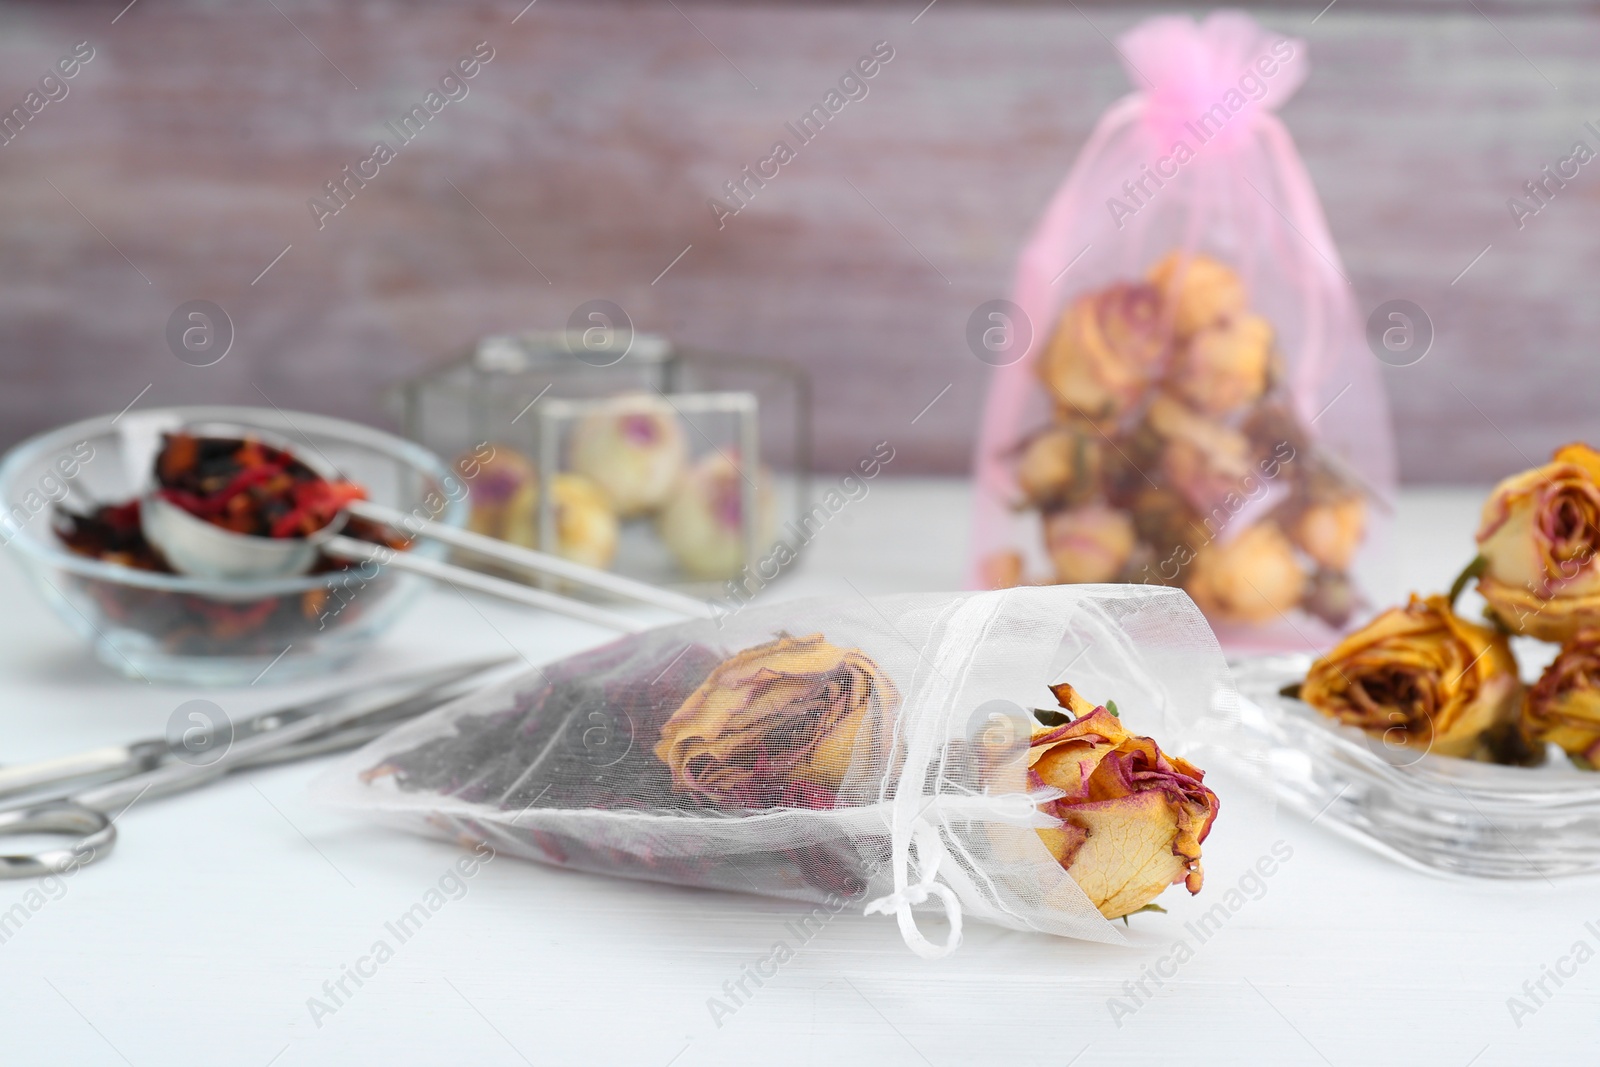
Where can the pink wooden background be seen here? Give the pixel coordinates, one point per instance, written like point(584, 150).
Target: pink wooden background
point(579, 166)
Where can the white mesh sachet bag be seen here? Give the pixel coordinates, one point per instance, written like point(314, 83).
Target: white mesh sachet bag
point(884, 752)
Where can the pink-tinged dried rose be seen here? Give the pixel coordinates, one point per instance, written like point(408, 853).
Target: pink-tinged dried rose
point(1061, 465)
point(504, 496)
point(776, 725)
point(1420, 676)
point(702, 524)
point(1201, 458)
point(1223, 367)
point(1201, 290)
point(1564, 704)
point(1253, 578)
point(1091, 543)
point(1107, 349)
point(1539, 538)
point(1330, 531)
point(1132, 819)
point(633, 448)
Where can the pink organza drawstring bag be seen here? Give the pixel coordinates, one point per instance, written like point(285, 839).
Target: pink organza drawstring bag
point(1183, 393)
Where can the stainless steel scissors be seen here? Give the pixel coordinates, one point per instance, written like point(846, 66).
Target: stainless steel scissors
point(80, 796)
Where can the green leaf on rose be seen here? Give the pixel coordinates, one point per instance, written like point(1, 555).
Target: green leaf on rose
point(1152, 906)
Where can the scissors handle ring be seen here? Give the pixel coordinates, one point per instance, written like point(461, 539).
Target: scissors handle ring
point(94, 831)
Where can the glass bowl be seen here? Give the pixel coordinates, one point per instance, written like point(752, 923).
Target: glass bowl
point(1436, 813)
point(176, 628)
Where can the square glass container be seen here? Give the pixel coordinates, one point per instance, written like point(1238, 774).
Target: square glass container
point(526, 392)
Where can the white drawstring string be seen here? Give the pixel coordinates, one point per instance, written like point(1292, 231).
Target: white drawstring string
point(930, 852)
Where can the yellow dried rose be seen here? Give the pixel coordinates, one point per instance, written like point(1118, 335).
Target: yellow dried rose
point(1539, 539)
point(776, 725)
point(1201, 291)
point(1252, 578)
point(1091, 543)
point(1422, 677)
point(1107, 349)
point(1060, 465)
point(1564, 704)
point(1224, 366)
point(586, 527)
point(1132, 819)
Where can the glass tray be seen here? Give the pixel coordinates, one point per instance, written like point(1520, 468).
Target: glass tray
point(1433, 813)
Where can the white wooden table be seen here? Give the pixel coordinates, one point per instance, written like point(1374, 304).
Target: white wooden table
point(221, 913)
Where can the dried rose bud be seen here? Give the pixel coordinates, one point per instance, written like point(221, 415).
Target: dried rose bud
point(1060, 465)
point(1419, 676)
point(1274, 430)
point(1088, 544)
point(586, 527)
point(1539, 537)
point(1202, 459)
point(634, 449)
point(1106, 351)
point(1253, 578)
point(1224, 366)
point(1332, 597)
point(1002, 570)
point(1130, 464)
point(1164, 519)
point(504, 496)
point(1201, 290)
point(1330, 531)
point(1133, 818)
point(1564, 704)
point(702, 524)
point(777, 724)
